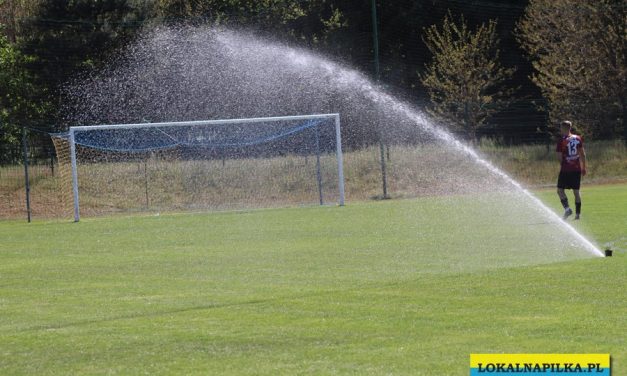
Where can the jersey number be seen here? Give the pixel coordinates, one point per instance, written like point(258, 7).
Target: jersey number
point(572, 148)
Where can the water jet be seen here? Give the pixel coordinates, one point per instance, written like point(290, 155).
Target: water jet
point(183, 74)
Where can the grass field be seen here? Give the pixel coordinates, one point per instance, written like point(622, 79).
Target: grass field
point(391, 287)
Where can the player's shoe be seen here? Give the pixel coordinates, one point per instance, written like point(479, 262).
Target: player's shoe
point(577, 217)
point(567, 213)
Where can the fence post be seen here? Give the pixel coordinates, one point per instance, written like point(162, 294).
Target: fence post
point(377, 72)
point(26, 180)
point(51, 163)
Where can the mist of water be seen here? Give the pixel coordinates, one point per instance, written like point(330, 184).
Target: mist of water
point(202, 73)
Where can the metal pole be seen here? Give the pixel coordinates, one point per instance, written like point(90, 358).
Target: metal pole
point(375, 37)
point(51, 163)
point(383, 167)
point(26, 179)
point(146, 182)
point(377, 72)
point(318, 172)
point(74, 175)
point(340, 158)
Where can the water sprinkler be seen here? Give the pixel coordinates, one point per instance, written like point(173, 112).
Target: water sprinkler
point(608, 253)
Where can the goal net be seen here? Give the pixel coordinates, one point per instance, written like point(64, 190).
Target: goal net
point(201, 165)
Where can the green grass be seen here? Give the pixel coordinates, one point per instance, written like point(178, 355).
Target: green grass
point(603, 211)
point(394, 287)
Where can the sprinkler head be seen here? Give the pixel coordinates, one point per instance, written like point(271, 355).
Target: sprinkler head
point(608, 253)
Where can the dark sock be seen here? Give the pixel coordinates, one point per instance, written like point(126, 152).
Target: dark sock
point(564, 203)
point(578, 207)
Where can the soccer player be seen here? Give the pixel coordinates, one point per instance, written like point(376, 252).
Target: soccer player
point(572, 156)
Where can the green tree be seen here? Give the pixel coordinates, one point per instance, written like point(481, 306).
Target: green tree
point(312, 20)
point(67, 38)
point(45, 44)
point(17, 106)
point(465, 81)
point(578, 52)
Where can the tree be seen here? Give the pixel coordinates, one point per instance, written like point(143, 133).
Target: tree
point(465, 81)
point(43, 45)
point(311, 21)
point(69, 37)
point(12, 13)
point(17, 106)
point(578, 53)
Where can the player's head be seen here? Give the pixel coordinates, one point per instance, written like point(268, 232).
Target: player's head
point(566, 127)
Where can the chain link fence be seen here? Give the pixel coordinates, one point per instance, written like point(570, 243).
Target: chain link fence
point(29, 185)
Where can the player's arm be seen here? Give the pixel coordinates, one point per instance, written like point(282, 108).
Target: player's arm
point(582, 157)
point(558, 152)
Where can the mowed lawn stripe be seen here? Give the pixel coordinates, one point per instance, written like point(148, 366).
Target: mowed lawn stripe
point(372, 288)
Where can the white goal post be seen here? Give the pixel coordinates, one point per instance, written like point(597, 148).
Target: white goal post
point(71, 138)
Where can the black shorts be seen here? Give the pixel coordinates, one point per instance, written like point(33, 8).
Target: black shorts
point(569, 180)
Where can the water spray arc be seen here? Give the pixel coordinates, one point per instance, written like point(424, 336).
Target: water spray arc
point(209, 74)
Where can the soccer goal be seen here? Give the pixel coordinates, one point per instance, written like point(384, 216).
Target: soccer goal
point(225, 164)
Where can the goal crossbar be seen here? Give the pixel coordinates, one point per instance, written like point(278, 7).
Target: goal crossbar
point(205, 122)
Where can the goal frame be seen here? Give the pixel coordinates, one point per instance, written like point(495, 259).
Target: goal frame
point(73, 129)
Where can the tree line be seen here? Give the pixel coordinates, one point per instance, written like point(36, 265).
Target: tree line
point(498, 68)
